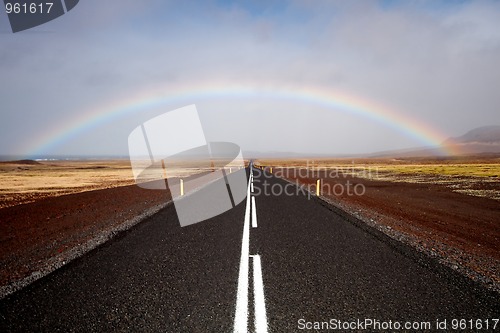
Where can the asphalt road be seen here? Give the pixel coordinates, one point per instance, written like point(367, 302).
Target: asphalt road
point(302, 262)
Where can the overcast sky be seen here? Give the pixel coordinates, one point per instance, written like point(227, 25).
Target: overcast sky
point(437, 62)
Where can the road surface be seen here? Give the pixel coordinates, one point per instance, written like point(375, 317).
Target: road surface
point(275, 263)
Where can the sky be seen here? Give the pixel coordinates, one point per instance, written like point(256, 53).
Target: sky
point(267, 75)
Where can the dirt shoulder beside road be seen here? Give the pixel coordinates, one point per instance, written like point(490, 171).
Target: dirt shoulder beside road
point(37, 237)
point(462, 231)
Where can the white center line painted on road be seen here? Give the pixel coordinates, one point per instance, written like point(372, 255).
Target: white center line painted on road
point(259, 300)
point(241, 315)
point(254, 214)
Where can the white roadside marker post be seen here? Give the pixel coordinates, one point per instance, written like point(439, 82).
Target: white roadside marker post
point(182, 187)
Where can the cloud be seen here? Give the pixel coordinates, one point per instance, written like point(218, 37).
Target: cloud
point(434, 61)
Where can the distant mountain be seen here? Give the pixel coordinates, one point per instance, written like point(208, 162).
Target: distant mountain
point(21, 162)
point(485, 134)
point(479, 141)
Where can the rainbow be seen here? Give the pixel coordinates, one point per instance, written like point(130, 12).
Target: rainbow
point(339, 101)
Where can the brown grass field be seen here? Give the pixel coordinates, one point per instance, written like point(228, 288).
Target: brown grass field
point(473, 176)
point(28, 181)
